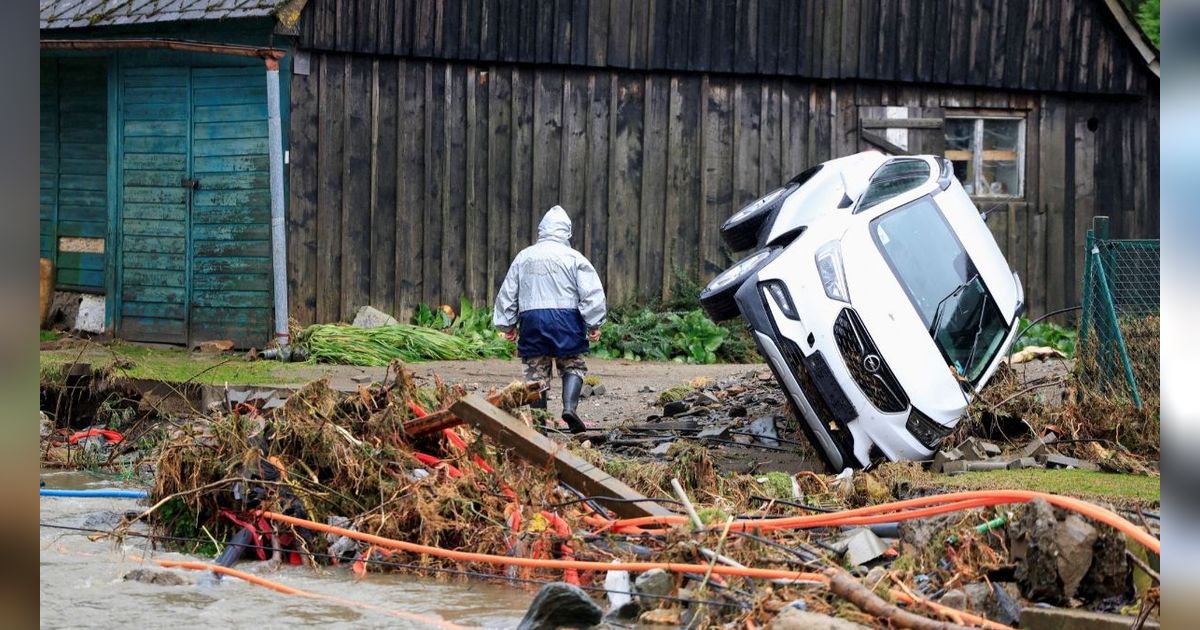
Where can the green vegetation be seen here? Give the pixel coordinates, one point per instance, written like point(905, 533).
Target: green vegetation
point(48, 335)
point(1047, 334)
point(472, 324)
point(1076, 483)
point(350, 345)
point(173, 365)
point(687, 337)
point(1148, 18)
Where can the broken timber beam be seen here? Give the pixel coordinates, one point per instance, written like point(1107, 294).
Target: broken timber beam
point(445, 419)
point(538, 449)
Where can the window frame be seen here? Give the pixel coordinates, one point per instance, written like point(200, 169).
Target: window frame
point(977, 151)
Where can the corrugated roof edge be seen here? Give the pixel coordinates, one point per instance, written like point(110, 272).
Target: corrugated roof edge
point(286, 12)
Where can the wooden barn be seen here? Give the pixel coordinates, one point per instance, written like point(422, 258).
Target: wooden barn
point(154, 161)
point(428, 136)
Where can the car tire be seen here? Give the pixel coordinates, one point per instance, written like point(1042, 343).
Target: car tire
point(740, 231)
point(717, 298)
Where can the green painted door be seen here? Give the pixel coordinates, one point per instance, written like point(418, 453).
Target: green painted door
point(231, 209)
point(196, 244)
point(74, 171)
point(155, 108)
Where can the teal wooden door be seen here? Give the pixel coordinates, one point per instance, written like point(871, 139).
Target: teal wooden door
point(74, 171)
point(231, 209)
point(155, 134)
point(196, 206)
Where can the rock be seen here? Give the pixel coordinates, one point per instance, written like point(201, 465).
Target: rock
point(215, 346)
point(661, 617)
point(599, 390)
point(371, 317)
point(90, 317)
point(561, 605)
point(1049, 618)
point(653, 585)
point(1023, 462)
point(46, 424)
point(161, 578)
point(646, 389)
point(661, 449)
point(764, 428)
point(920, 533)
point(361, 378)
point(795, 619)
point(586, 391)
point(1052, 552)
point(1062, 461)
point(674, 408)
point(105, 519)
point(862, 546)
point(974, 449)
point(954, 598)
point(941, 458)
point(1110, 567)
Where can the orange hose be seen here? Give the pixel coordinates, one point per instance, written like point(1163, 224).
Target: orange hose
point(466, 556)
point(291, 590)
point(925, 506)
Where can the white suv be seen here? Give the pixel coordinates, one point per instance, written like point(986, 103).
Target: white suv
point(878, 297)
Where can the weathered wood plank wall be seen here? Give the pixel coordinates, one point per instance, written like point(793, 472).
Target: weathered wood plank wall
point(1050, 45)
point(417, 180)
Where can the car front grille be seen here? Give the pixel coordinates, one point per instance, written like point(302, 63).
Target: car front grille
point(866, 366)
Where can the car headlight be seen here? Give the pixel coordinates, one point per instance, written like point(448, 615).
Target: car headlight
point(927, 430)
point(775, 291)
point(833, 277)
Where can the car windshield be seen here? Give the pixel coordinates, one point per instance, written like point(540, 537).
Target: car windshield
point(943, 284)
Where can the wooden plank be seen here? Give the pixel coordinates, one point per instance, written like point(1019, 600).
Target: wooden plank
point(444, 419)
point(868, 39)
point(662, 32)
point(639, 33)
point(597, 33)
point(619, 14)
point(384, 128)
point(409, 263)
point(746, 41)
point(651, 237)
point(579, 32)
point(573, 159)
point(700, 32)
point(1084, 193)
point(723, 37)
point(681, 221)
point(499, 150)
point(831, 41)
point(747, 119)
point(472, 27)
point(820, 123)
point(599, 126)
point(329, 189)
point(716, 172)
point(301, 216)
point(816, 38)
point(475, 254)
point(545, 33)
point(490, 17)
point(547, 142)
point(539, 450)
point(795, 128)
point(979, 60)
point(770, 171)
point(1052, 194)
point(521, 231)
point(628, 124)
point(454, 197)
point(788, 46)
point(436, 130)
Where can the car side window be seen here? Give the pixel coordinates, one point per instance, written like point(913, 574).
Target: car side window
point(893, 178)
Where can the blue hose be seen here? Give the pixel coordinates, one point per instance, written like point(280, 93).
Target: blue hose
point(103, 493)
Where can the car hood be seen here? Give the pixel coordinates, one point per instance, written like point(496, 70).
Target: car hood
point(897, 330)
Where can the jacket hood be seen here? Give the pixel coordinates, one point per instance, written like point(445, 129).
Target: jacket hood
point(555, 226)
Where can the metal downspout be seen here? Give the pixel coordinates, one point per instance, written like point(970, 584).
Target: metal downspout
point(278, 235)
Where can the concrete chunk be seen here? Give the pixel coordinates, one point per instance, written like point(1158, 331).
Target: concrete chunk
point(1062, 461)
point(1049, 618)
point(371, 317)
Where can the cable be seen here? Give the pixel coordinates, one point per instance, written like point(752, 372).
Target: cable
point(413, 566)
point(802, 506)
point(95, 494)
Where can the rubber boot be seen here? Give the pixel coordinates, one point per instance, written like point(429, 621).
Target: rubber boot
point(572, 386)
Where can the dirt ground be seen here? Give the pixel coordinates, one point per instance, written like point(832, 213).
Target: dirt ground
point(626, 381)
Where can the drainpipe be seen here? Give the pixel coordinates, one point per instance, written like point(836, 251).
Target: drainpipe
point(278, 244)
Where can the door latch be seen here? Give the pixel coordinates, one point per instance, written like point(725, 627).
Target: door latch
point(194, 184)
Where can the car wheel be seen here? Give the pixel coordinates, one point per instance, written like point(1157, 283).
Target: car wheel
point(717, 297)
point(740, 231)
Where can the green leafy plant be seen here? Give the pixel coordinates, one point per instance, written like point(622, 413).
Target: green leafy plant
point(1046, 334)
point(472, 324)
point(688, 337)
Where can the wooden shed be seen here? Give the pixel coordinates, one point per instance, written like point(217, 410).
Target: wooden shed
point(154, 161)
point(428, 136)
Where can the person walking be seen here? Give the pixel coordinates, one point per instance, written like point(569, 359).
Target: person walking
point(552, 304)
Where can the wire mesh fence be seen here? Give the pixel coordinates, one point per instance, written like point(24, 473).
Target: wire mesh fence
point(1119, 330)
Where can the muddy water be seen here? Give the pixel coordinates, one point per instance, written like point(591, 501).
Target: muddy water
point(82, 583)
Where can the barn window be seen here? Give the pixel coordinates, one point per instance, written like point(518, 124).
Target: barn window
point(988, 154)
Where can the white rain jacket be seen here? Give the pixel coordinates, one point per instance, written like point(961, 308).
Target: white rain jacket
point(552, 292)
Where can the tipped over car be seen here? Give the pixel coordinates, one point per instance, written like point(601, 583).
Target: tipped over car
point(878, 296)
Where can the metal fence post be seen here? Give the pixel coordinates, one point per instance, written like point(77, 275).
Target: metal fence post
point(1106, 295)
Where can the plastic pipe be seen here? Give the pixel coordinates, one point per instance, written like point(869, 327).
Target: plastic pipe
point(105, 493)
